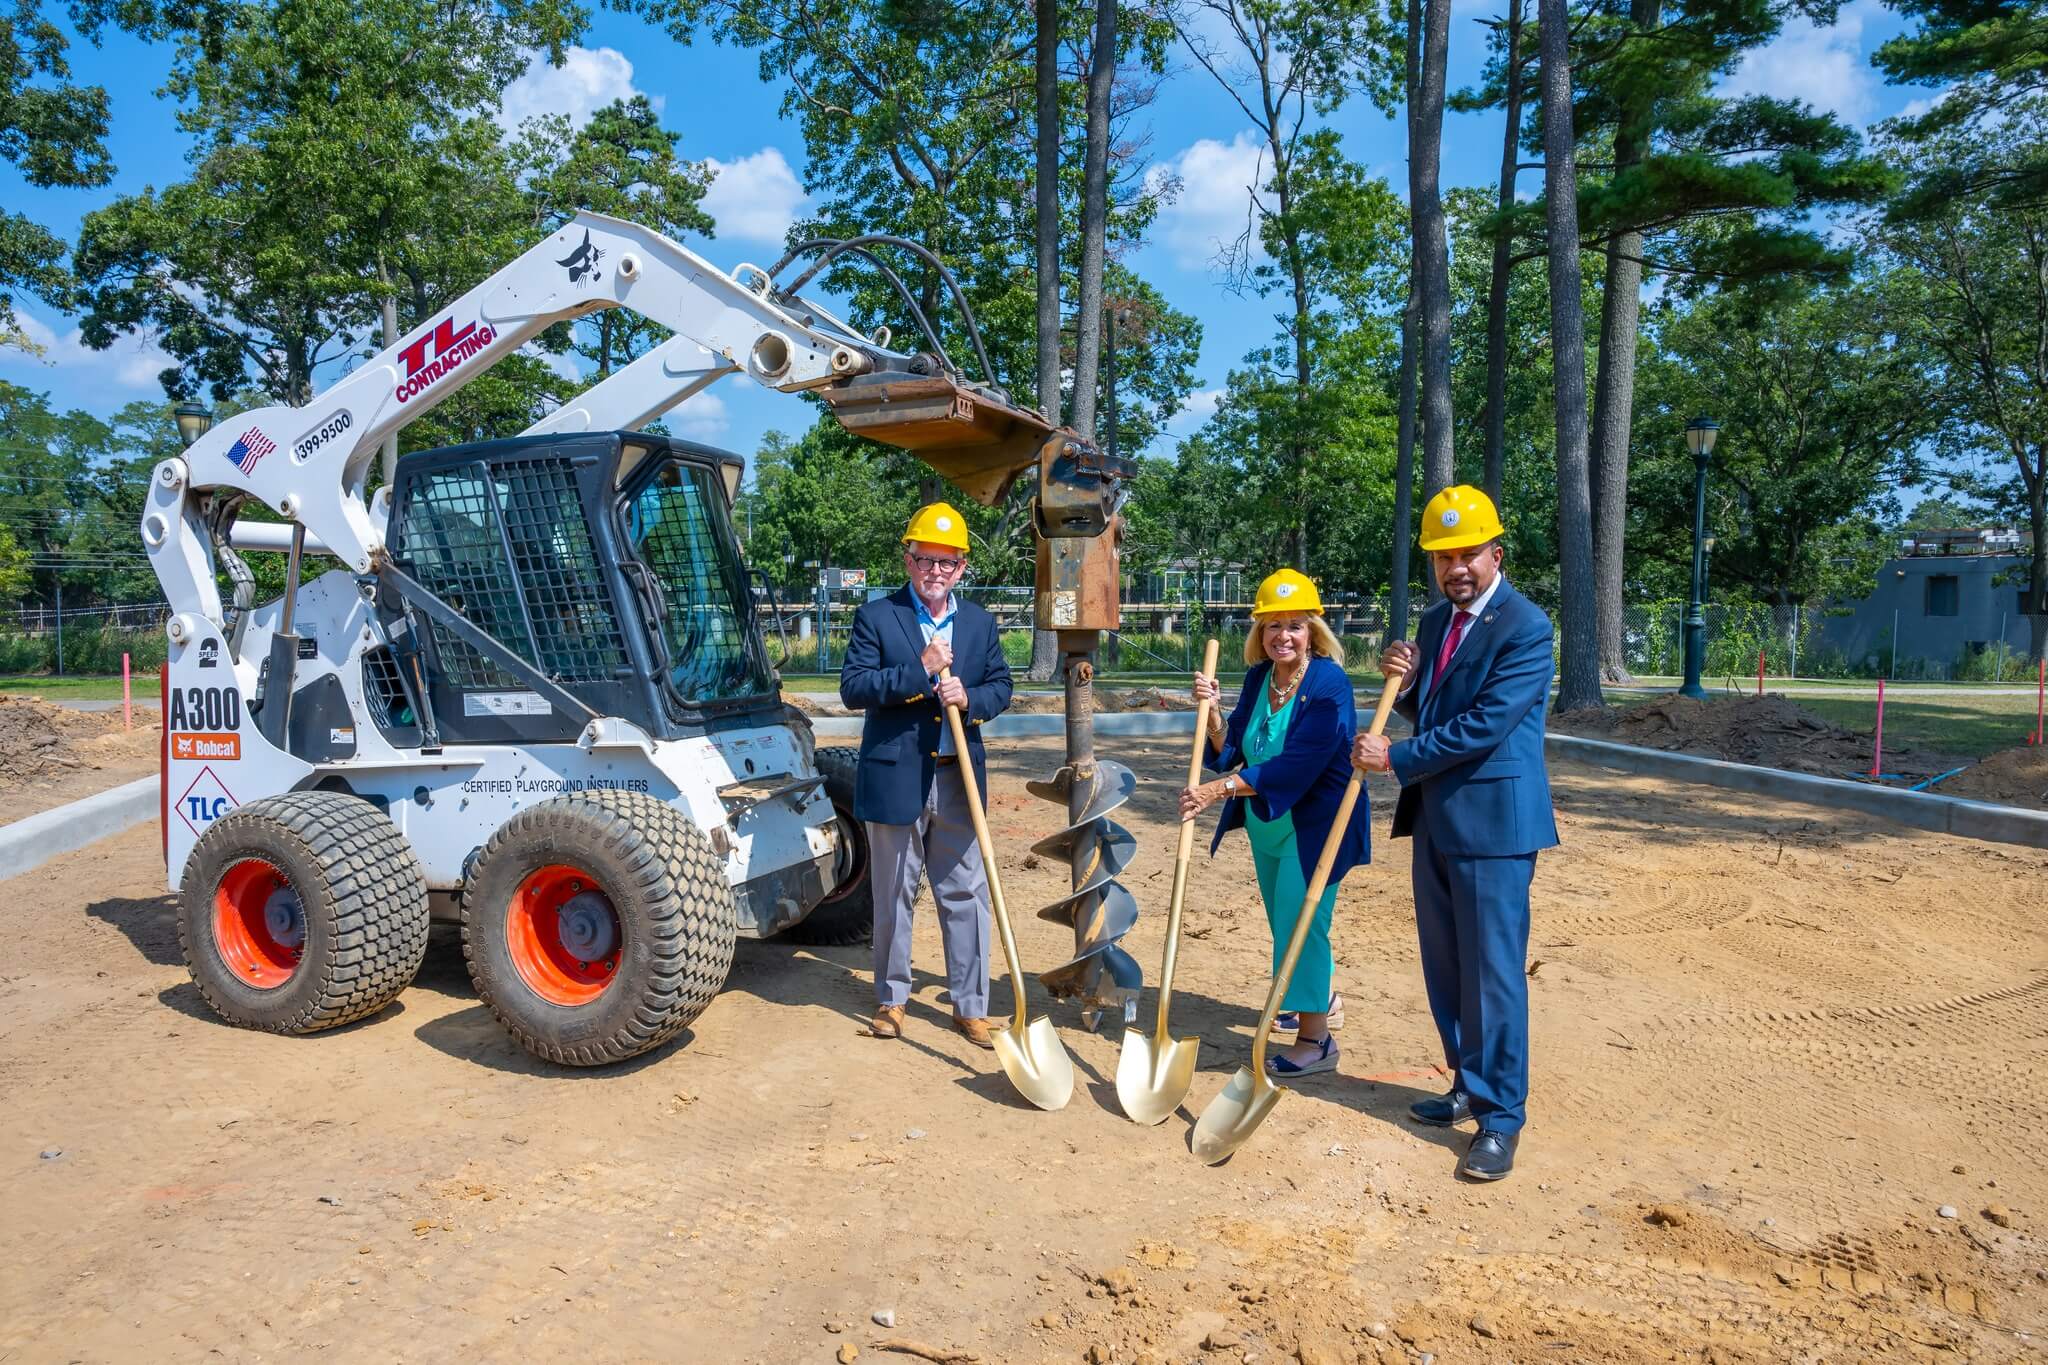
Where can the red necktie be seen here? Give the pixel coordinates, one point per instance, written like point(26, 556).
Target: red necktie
point(1459, 620)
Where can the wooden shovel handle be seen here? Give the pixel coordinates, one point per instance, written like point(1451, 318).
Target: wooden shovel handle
point(1321, 879)
point(988, 856)
point(1183, 853)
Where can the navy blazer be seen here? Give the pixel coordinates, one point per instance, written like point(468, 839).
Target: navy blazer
point(1307, 777)
point(1474, 766)
point(884, 676)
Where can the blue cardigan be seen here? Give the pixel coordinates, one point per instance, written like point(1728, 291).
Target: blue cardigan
point(1307, 778)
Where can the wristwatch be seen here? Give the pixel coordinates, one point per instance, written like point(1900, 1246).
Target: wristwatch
point(1230, 784)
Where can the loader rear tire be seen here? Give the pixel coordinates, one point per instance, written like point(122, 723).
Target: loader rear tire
point(597, 925)
point(302, 912)
point(847, 916)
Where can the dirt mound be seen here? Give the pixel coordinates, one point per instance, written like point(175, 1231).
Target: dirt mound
point(51, 754)
point(2015, 777)
point(816, 703)
point(1769, 731)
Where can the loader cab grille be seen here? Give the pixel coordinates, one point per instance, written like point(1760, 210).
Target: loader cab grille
point(676, 521)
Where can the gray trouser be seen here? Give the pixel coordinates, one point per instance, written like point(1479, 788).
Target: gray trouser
point(941, 846)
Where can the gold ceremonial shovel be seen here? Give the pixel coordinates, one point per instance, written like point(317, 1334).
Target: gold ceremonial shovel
point(1031, 1053)
point(1153, 1074)
point(1233, 1116)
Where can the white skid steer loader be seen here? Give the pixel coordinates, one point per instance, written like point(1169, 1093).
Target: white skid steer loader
point(534, 697)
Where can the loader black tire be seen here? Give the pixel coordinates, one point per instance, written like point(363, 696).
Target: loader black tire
point(847, 916)
point(360, 929)
point(669, 939)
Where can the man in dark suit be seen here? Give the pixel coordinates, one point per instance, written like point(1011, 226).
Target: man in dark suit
point(1475, 796)
point(907, 789)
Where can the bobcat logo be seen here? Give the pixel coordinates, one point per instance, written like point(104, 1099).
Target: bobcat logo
point(583, 261)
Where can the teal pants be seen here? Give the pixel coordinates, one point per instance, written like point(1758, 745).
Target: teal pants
point(1282, 887)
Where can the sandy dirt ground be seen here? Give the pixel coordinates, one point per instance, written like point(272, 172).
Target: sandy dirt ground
point(1773, 1050)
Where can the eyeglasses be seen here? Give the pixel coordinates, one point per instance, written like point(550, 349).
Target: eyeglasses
point(935, 564)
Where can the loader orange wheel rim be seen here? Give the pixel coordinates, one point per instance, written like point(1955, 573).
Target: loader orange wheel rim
point(563, 935)
point(259, 924)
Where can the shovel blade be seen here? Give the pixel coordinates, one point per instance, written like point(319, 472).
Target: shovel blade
point(1036, 1063)
point(1233, 1116)
point(1151, 1082)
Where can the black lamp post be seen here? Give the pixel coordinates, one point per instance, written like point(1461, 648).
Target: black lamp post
point(194, 421)
point(1699, 439)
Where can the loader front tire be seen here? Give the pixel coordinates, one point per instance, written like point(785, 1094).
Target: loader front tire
point(597, 925)
point(302, 912)
point(847, 916)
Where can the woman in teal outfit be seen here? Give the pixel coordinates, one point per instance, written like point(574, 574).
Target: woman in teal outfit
point(1285, 753)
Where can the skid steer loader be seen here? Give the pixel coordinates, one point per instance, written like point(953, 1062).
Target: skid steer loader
point(534, 697)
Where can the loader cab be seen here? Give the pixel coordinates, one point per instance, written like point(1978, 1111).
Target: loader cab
point(605, 561)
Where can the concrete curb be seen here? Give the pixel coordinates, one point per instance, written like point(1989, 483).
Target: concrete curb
point(29, 843)
point(1917, 810)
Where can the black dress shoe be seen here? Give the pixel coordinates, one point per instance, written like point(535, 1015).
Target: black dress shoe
point(1441, 1111)
point(1491, 1156)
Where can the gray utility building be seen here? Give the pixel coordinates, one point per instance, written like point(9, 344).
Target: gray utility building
point(1947, 594)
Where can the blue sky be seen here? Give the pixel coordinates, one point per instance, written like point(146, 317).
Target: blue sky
point(714, 98)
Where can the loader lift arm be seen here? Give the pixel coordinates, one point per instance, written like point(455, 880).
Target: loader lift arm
point(312, 463)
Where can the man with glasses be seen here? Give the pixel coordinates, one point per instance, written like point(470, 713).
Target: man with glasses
point(907, 790)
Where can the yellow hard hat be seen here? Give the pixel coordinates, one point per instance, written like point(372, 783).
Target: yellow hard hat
point(1285, 592)
point(938, 524)
point(1459, 517)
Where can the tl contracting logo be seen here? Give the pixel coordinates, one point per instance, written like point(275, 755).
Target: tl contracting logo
point(251, 446)
point(204, 802)
point(450, 349)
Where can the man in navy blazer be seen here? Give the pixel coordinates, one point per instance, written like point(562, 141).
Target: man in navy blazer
point(907, 789)
point(1475, 796)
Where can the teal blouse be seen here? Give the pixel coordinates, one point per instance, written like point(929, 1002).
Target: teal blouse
point(1264, 737)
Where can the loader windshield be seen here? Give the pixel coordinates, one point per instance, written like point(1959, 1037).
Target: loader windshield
point(677, 524)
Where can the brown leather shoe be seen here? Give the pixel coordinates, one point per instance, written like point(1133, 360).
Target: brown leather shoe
point(888, 1022)
point(976, 1031)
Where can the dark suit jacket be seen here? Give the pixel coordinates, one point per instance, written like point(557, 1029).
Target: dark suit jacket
point(1308, 776)
point(884, 676)
point(1474, 767)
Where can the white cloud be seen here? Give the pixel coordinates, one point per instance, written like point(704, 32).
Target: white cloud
point(1211, 199)
point(755, 198)
point(1924, 105)
point(587, 80)
point(131, 363)
point(1197, 408)
point(702, 418)
point(1826, 67)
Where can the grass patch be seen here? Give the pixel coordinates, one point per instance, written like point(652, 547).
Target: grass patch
point(79, 688)
point(1970, 726)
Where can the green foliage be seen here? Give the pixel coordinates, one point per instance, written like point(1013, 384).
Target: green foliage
point(1991, 55)
point(1823, 414)
point(54, 134)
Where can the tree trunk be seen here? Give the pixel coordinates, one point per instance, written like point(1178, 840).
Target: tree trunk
point(1045, 644)
point(2037, 575)
point(390, 305)
point(1621, 304)
point(1503, 266)
point(1047, 226)
point(1432, 248)
point(1404, 482)
point(1094, 219)
point(1579, 680)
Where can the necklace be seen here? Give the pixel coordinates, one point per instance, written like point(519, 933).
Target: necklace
point(1276, 697)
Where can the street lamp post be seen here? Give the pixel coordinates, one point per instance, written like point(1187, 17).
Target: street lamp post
point(194, 421)
point(1699, 439)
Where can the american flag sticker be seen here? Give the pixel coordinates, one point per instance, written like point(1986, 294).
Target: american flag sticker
point(251, 446)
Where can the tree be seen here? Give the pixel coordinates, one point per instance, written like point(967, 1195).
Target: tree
point(1990, 55)
point(14, 571)
point(1824, 415)
point(1431, 258)
point(54, 133)
point(1579, 681)
point(622, 163)
point(1968, 286)
point(1280, 63)
point(1704, 189)
point(344, 160)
